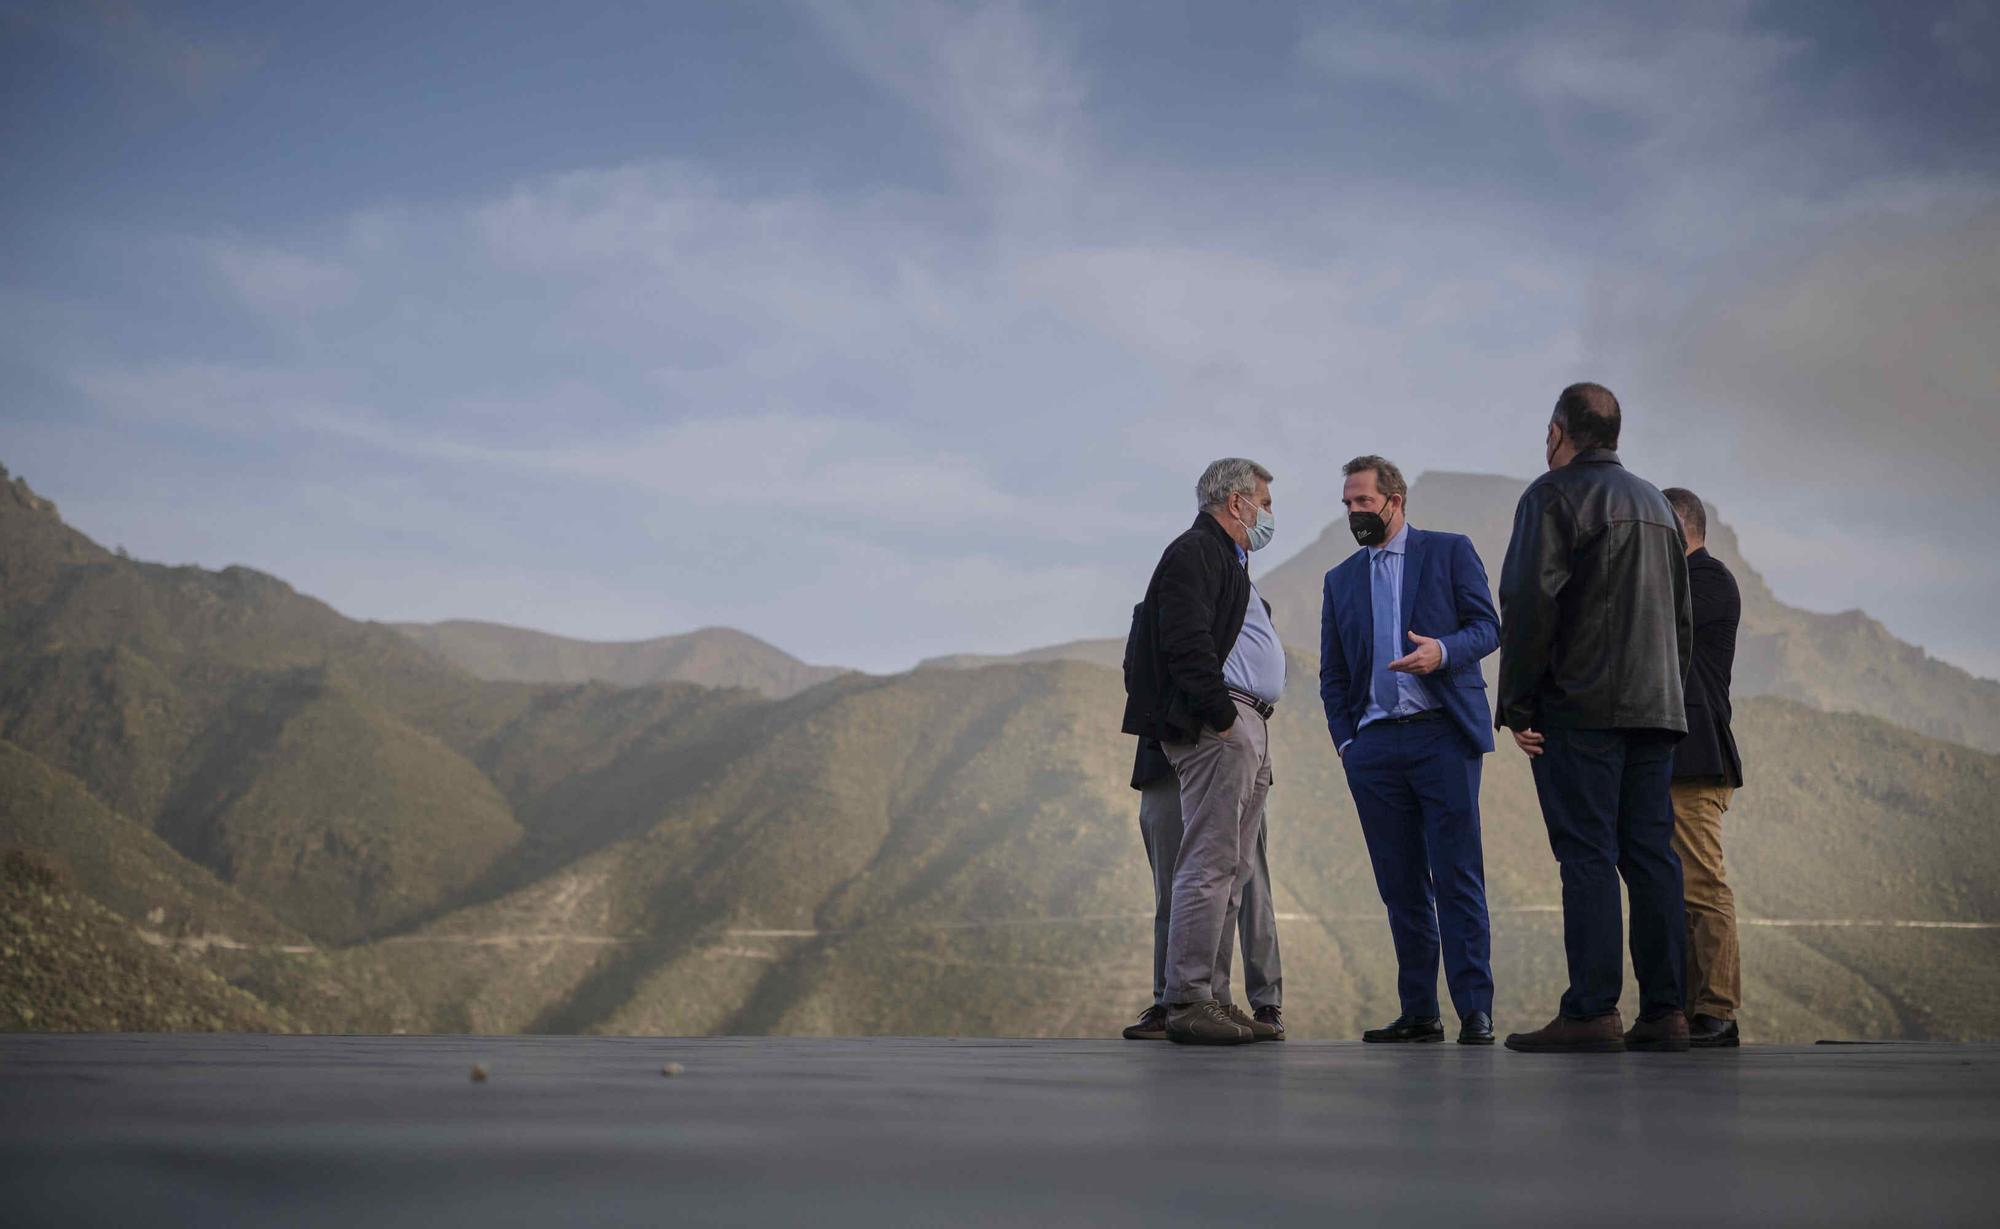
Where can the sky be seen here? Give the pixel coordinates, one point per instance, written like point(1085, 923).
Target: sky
point(883, 331)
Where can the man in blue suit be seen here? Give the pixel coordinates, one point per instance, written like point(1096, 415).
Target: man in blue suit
point(1403, 625)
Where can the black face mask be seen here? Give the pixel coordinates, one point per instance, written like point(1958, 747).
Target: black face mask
point(1368, 528)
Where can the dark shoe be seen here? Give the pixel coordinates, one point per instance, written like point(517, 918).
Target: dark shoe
point(1408, 1028)
point(1275, 1017)
point(1151, 1026)
point(1259, 1030)
point(1603, 1035)
point(1476, 1030)
point(1666, 1033)
point(1204, 1024)
point(1709, 1033)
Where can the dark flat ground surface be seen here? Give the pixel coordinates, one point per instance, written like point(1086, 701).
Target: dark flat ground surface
point(366, 1132)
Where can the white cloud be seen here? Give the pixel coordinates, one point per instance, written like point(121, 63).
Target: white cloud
point(1870, 361)
point(281, 283)
point(965, 418)
point(226, 398)
point(1001, 87)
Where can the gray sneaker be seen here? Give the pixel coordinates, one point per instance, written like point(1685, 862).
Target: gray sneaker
point(1204, 1024)
point(1259, 1030)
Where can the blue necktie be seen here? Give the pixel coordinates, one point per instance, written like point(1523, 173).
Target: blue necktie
point(1384, 599)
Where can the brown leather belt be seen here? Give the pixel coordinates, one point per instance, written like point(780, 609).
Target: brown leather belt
point(1256, 706)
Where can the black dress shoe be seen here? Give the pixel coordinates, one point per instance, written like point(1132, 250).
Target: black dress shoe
point(1476, 1030)
point(1408, 1028)
point(1151, 1025)
point(1709, 1033)
point(1273, 1016)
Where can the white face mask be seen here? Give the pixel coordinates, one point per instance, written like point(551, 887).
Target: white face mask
point(1260, 532)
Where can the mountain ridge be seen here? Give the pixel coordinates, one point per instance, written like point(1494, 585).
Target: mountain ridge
point(708, 656)
point(387, 842)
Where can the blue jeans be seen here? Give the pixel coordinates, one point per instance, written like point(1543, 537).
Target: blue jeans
point(1606, 797)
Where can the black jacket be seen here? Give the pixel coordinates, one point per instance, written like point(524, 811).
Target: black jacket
point(1709, 750)
point(1149, 762)
point(1596, 630)
point(1181, 635)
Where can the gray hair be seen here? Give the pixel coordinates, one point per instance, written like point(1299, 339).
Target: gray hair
point(1229, 476)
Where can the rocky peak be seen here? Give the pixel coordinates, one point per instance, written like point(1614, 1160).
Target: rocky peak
point(22, 494)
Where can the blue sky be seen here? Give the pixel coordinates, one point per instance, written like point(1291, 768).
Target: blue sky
point(883, 331)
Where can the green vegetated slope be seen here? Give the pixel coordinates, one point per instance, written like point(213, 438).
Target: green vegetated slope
point(390, 843)
point(1097, 652)
point(957, 853)
point(331, 771)
point(253, 730)
point(710, 657)
point(68, 963)
point(121, 864)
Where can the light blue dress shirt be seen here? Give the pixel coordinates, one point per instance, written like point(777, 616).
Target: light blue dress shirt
point(1385, 577)
point(1257, 661)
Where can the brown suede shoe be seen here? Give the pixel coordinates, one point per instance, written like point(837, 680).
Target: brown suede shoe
point(1204, 1023)
point(1258, 1028)
point(1666, 1033)
point(1603, 1035)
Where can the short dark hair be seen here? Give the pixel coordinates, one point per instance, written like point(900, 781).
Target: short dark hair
point(1687, 506)
point(1388, 479)
point(1589, 416)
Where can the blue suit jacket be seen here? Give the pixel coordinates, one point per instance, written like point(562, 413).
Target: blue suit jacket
point(1445, 597)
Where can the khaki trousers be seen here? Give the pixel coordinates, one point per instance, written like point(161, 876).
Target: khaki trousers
point(1714, 968)
point(1224, 778)
point(1256, 921)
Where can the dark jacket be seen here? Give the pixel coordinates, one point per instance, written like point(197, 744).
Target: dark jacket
point(1709, 750)
point(1181, 635)
point(1444, 597)
point(1596, 629)
point(1149, 762)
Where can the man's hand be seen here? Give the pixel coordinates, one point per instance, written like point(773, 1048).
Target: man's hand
point(1528, 741)
point(1423, 659)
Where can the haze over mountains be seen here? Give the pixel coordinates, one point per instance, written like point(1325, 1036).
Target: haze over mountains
point(357, 832)
point(709, 656)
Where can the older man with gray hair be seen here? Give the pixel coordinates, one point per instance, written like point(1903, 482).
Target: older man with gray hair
point(1203, 676)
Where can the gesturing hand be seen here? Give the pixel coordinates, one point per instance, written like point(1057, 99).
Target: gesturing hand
point(1423, 659)
point(1528, 741)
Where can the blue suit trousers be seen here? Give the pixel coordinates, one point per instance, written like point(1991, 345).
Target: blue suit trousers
point(1416, 787)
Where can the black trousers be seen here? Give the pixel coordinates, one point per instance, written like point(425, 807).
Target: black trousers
point(1607, 802)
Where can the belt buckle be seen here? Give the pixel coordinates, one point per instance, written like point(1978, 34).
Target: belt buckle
point(1257, 706)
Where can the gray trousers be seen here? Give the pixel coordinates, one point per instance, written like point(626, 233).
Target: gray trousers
point(1256, 922)
point(1224, 779)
